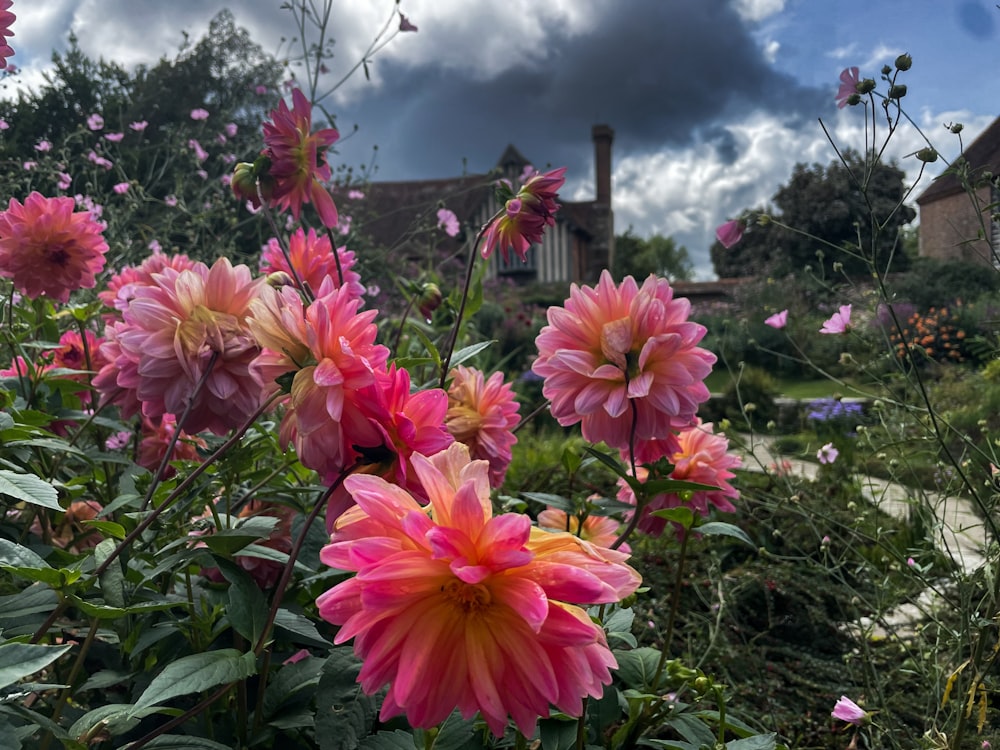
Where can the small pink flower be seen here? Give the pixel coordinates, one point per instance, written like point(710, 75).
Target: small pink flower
point(43, 146)
point(355, 195)
point(99, 160)
point(65, 181)
point(95, 122)
point(778, 320)
point(839, 322)
point(202, 174)
point(29, 165)
point(114, 137)
point(121, 188)
point(199, 114)
point(118, 441)
point(730, 233)
point(231, 129)
point(171, 200)
point(155, 246)
point(849, 711)
point(848, 86)
point(404, 24)
point(4, 125)
point(139, 125)
point(447, 221)
point(260, 90)
point(827, 454)
point(910, 562)
point(199, 153)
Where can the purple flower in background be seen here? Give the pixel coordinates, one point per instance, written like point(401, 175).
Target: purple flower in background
point(114, 137)
point(138, 126)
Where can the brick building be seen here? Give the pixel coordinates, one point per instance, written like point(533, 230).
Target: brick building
point(401, 217)
point(953, 225)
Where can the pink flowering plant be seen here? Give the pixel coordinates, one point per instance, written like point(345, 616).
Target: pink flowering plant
point(247, 507)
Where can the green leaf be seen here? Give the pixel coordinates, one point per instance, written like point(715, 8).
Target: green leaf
point(8, 736)
point(247, 608)
point(116, 718)
point(185, 742)
point(637, 668)
point(719, 528)
point(692, 729)
point(98, 610)
point(30, 489)
point(397, 740)
point(108, 528)
point(290, 680)
point(468, 352)
point(34, 599)
point(301, 627)
point(18, 660)
point(610, 461)
point(556, 501)
point(15, 556)
point(456, 733)
point(344, 714)
point(557, 734)
point(103, 679)
point(197, 672)
point(113, 579)
point(757, 742)
point(681, 514)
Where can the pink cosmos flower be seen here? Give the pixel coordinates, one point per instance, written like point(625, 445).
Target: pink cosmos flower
point(614, 347)
point(43, 146)
point(121, 188)
point(99, 160)
point(6, 21)
point(827, 454)
point(848, 86)
point(328, 351)
point(482, 413)
point(601, 531)
point(171, 200)
point(313, 261)
point(231, 129)
point(730, 233)
point(702, 457)
point(65, 181)
point(355, 195)
point(778, 320)
point(4, 125)
point(156, 436)
point(95, 122)
point(525, 216)
point(405, 25)
point(448, 222)
point(199, 114)
point(455, 608)
point(138, 126)
point(849, 711)
point(839, 322)
point(298, 160)
point(29, 165)
point(114, 137)
point(47, 249)
point(199, 153)
point(185, 326)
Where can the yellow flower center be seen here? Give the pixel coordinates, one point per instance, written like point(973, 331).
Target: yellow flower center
point(463, 422)
point(472, 598)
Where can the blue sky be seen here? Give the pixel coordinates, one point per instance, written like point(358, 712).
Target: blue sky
point(713, 101)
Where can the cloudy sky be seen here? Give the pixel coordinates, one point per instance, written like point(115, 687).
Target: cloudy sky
point(712, 101)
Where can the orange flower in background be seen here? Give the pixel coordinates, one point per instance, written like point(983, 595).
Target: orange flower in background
point(298, 160)
point(48, 249)
point(453, 607)
point(482, 413)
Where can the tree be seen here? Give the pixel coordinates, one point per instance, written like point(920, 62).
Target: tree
point(638, 257)
point(849, 212)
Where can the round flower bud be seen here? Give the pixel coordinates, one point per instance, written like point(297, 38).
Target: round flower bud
point(927, 155)
point(854, 100)
point(904, 62)
point(956, 128)
point(865, 86)
point(898, 91)
point(886, 70)
point(429, 300)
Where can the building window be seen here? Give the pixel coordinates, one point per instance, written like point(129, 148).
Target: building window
point(995, 224)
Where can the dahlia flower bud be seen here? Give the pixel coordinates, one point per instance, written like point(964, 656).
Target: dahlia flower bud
point(245, 180)
point(429, 300)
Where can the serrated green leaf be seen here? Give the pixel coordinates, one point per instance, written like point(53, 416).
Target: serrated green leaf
point(29, 488)
point(757, 742)
point(185, 742)
point(18, 660)
point(396, 740)
point(290, 680)
point(719, 528)
point(637, 668)
point(197, 672)
point(301, 627)
point(344, 714)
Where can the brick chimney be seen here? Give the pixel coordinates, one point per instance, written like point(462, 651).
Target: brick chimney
point(603, 135)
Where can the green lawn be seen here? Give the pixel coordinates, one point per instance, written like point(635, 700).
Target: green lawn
point(802, 389)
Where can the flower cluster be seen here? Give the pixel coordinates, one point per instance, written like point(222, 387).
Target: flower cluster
point(932, 336)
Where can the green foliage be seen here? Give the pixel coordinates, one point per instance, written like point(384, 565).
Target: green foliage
point(931, 282)
point(639, 257)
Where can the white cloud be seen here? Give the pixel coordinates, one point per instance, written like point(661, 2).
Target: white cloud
point(770, 50)
point(758, 10)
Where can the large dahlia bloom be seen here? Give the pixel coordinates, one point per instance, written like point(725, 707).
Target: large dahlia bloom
point(525, 216)
point(702, 456)
point(6, 20)
point(168, 337)
point(324, 355)
point(313, 259)
point(482, 413)
point(48, 249)
point(120, 287)
point(298, 160)
point(612, 348)
point(453, 607)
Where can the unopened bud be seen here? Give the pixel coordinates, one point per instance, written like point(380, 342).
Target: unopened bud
point(278, 279)
point(927, 155)
point(430, 300)
point(898, 91)
point(865, 86)
point(956, 127)
point(763, 220)
point(886, 70)
point(854, 99)
point(904, 62)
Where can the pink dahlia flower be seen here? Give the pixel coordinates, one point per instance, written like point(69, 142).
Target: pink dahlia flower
point(614, 347)
point(6, 21)
point(156, 437)
point(47, 249)
point(171, 332)
point(525, 216)
point(702, 457)
point(298, 159)
point(453, 607)
point(601, 531)
point(72, 533)
point(313, 261)
point(325, 354)
point(121, 287)
point(482, 413)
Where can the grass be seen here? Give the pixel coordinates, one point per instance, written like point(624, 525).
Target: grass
point(800, 389)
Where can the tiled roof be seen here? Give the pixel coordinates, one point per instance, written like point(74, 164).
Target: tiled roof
point(982, 153)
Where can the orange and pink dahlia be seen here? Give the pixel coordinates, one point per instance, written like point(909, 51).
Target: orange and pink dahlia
point(313, 259)
point(618, 355)
point(48, 249)
point(525, 215)
point(185, 326)
point(455, 608)
point(298, 160)
point(482, 413)
point(602, 531)
point(702, 456)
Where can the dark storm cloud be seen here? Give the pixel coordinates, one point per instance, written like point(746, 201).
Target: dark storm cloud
point(662, 74)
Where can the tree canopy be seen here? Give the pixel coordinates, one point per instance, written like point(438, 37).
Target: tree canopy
point(849, 212)
point(638, 257)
